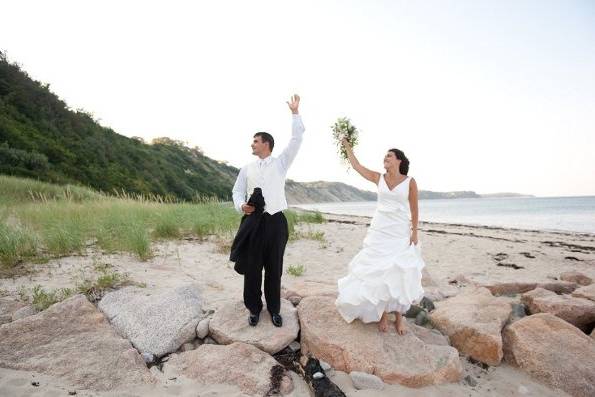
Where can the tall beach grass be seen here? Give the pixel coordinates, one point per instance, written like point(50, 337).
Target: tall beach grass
point(41, 220)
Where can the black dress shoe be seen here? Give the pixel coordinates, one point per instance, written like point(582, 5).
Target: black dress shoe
point(253, 319)
point(277, 320)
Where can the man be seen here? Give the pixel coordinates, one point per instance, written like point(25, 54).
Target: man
point(268, 173)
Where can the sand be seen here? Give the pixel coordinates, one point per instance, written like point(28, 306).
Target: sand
point(450, 251)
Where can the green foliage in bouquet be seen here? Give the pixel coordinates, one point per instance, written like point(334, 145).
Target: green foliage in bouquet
point(344, 128)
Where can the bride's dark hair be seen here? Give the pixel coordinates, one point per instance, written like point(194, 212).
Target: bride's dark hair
point(404, 166)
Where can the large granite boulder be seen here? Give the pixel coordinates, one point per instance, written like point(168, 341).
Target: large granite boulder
point(519, 287)
point(361, 347)
point(473, 321)
point(155, 322)
point(576, 277)
point(587, 292)
point(510, 288)
point(245, 366)
point(577, 311)
point(553, 351)
point(303, 288)
point(74, 341)
point(230, 324)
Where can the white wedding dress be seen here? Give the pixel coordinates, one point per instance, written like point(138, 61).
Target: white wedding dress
point(385, 276)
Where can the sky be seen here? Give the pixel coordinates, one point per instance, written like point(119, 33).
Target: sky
point(489, 96)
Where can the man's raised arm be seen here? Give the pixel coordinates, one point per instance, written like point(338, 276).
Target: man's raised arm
point(297, 131)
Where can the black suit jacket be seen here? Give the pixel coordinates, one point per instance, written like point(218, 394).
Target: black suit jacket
point(247, 247)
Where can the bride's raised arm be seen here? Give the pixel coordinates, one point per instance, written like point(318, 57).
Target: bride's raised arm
point(370, 175)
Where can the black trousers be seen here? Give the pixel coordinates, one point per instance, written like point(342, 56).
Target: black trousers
point(273, 234)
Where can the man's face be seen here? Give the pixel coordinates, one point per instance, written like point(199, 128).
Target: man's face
point(258, 146)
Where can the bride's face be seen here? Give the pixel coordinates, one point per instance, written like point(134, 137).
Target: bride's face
point(391, 161)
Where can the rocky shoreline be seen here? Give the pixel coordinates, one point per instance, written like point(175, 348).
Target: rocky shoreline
point(509, 313)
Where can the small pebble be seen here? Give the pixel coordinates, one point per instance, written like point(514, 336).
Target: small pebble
point(318, 375)
point(470, 381)
point(294, 346)
point(35, 384)
point(325, 366)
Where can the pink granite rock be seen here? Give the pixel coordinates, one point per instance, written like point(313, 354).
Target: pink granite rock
point(361, 347)
point(553, 351)
point(577, 311)
point(473, 321)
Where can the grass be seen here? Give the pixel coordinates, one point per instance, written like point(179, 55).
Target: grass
point(42, 299)
point(40, 221)
point(105, 279)
point(17, 244)
point(54, 221)
point(296, 270)
point(312, 217)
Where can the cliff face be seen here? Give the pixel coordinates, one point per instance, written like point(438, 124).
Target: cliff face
point(323, 192)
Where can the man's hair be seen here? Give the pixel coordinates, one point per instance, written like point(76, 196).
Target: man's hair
point(266, 137)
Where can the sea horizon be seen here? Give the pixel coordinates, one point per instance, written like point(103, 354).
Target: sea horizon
point(560, 213)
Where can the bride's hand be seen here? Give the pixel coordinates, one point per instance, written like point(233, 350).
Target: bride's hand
point(413, 239)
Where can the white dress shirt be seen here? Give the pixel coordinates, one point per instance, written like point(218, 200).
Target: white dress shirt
point(269, 174)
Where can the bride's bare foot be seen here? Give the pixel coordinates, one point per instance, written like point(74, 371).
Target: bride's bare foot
point(400, 324)
point(383, 323)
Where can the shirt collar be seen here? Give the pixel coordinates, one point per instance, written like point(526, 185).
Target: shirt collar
point(265, 161)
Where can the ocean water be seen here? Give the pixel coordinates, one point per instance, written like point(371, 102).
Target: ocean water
point(575, 214)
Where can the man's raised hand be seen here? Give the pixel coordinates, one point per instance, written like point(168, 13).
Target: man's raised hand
point(294, 103)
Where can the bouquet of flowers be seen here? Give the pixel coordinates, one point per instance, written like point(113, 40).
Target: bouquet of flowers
point(344, 129)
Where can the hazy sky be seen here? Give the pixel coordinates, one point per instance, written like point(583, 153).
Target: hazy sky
point(489, 96)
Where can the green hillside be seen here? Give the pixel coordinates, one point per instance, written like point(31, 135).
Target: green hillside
point(40, 137)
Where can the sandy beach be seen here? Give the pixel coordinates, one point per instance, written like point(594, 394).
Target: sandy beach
point(454, 255)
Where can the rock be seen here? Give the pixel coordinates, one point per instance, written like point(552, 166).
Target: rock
point(210, 341)
point(421, 318)
point(187, 347)
point(8, 307)
point(363, 381)
point(74, 341)
point(587, 292)
point(360, 347)
point(470, 381)
point(428, 336)
point(325, 366)
point(593, 333)
point(518, 312)
point(320, 386)
point(24, 312)
point(427, 304)
point(202, 329)
point(230, 324)
point(228, 364)
point(553, 351)
point(294, 346)
point(512, 288)
point(576, 277)
point(559, 287)
point(413, 311)
point(577, 311)
point(157, 323)
point(303, 288)
point(473, 321)
point(148, 358)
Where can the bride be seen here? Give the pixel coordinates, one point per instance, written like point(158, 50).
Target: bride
point(385, 276)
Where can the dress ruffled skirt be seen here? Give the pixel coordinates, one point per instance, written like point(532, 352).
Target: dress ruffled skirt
point(385, 276)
